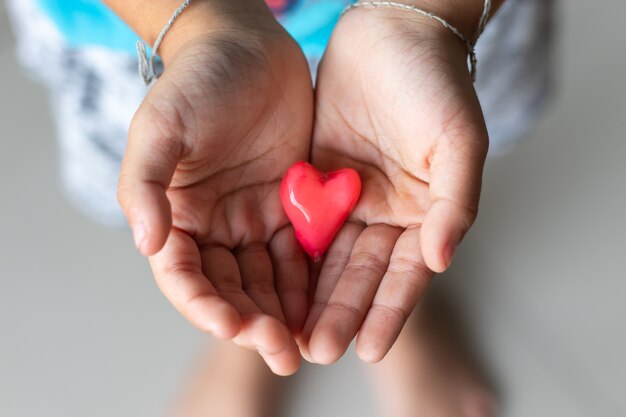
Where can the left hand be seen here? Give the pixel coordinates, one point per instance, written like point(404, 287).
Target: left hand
point(395, 101)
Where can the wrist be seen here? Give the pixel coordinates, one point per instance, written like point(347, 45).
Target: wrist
point(454, 25)
point(204, 17)
point(463, 14)
point(149, 17)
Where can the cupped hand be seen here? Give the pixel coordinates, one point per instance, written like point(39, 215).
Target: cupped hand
point(394, 101)
point(200, 182)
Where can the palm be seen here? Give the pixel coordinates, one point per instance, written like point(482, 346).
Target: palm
point(230, 262)
point(391, 116)
point(243, 130)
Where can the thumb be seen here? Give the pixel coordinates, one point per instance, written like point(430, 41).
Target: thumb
point(147, 170)
point(455, 181)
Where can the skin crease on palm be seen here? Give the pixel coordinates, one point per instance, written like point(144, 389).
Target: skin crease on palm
point(234, 110)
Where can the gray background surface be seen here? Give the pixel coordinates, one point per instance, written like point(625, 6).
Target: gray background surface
point(540, 280)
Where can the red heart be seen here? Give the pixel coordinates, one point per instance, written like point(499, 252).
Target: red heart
point(318, 204)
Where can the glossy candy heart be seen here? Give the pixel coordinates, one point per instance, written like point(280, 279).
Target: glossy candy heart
point(318, 204)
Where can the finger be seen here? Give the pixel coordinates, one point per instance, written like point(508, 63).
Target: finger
point(333, 265)
point(220, 267)
point(257, 278)
point(259, 331)
point(456, 177)
point(178, 274)
point(147, 170)
point(292, 277)
point(272, 340)
point(353, 295)
point(402, 286)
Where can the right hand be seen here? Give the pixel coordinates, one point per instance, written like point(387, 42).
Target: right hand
point(201, 175)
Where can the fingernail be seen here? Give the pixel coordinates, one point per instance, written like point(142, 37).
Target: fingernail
point(306, 356)
point(260, 350)
point(218, 333)
point(449, 254)
point(139, 234)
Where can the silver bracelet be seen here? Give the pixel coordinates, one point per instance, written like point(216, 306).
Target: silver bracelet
point(146, 66)
point(470, 44)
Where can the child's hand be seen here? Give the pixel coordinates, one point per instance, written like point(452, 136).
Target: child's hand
point(394, 101)
point(200, 179)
